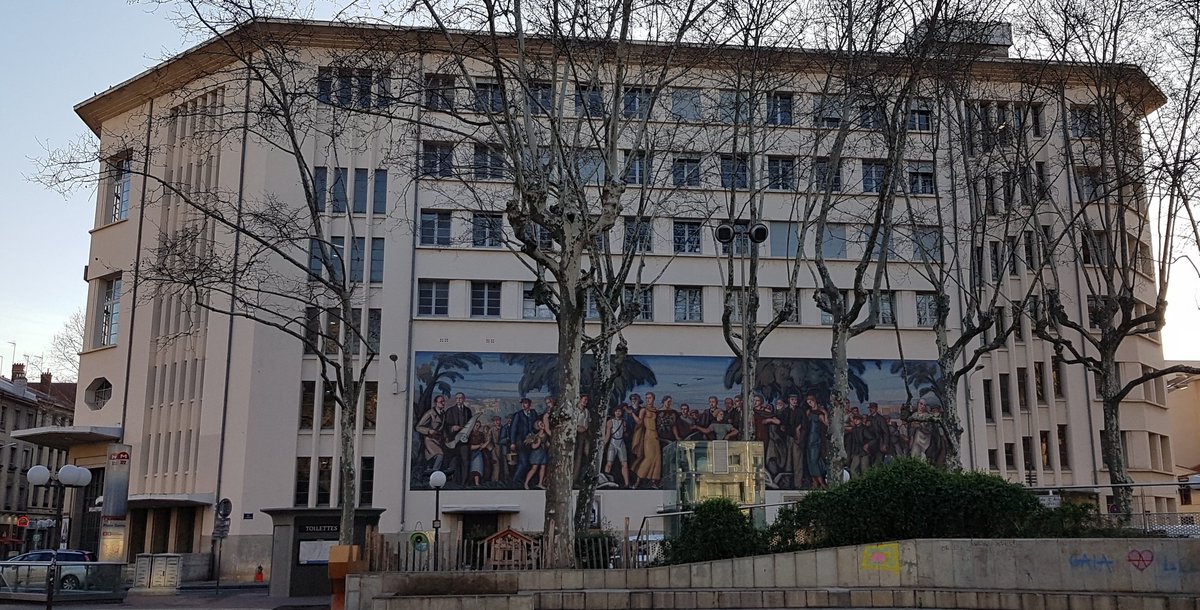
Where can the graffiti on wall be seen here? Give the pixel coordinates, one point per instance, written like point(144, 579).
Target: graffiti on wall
point(481, 417)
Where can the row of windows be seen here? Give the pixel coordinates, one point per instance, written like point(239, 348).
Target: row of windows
point(1028, 458)
point(782, 173)
point(324, 480)
point(329, 337)
point(331, 187)
point(433, 299)
point(328, 256)
point(328, 405)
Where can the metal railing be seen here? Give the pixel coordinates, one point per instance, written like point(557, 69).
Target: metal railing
point(505, 553)
point(73, 579)
point(1175, 525)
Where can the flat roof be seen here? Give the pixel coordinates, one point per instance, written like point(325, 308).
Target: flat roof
point(65, 437)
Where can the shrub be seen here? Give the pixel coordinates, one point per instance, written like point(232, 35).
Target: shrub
point(719, 529)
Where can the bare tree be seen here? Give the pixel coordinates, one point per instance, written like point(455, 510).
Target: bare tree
point(65, 346)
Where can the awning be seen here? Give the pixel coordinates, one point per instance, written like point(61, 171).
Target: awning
point(505, 509)
point(163, 500)
point(65, 437)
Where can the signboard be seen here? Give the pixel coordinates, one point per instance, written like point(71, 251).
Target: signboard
point(221, 528)
point(315, 551)
point(116, 503)
point(1050, 501)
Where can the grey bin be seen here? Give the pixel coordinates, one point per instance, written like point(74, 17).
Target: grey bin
point(158, 571)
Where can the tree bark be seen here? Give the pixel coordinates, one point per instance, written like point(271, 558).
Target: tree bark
point(837, 405)
point(1112, 441)
point(560, 470)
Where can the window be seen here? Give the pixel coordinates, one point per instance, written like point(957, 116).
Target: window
point(870, 116)
point(920, 178)
point(308, 398)
point(927, 244)
point(358, 247)
point(439, 92)
point(1023, 388)
point(120, 177)
point(435, 228)
point(1085, 122)
point(328, 406)
point(1030, 248)
point(920, 116)
point(345, 88)
point(376, 260)
point(312, 329)
point(992, 464)
point(485, 299)
point(543, 236)
point(1039, 382)
point(1095, 312)
point(636, 103)
point(1010, 254)
point(741, 244)
point(643, 298)
point(531, 309)
point(374, 328)
point(1027, 454)
point(320, 186)
point(325, 85)
point(887, 308)
point(685, 171)
point(589, 101)
point(109, 314)
point(781, 298)
point(833, 243)
point(486, 230)
point(1018, 319)
point(1005, 395)
point(340, 178)
point(636, 167)
point(639, 235)
point(1010, 455)
point(303, 476)
point(1035, 119)
point(826, 317)
point(1064, 454)
point(825, 177)
point(354, 87)
point(738, 302)
point(1056, 379)
point(988, 407)
point(489, 97)
point(366, 472)
point(540, 98)
point(590, 165)
point(873, 175)
point(685, 104)
point(827, 112)
point(1042, 186)
point(433, 297)
point(489, 162)
point(926, 309)
point(781, 173)
point(360, 191)
point(1095, 248)
point(437, 159)
point(779, 108)
point(735, 172)
point(324, 480)
point(997, 260)
point(689, 304)
point(733, 107)
point(333, 330)
point(686, 236)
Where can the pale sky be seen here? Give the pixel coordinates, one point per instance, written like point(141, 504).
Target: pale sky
point(58, 54)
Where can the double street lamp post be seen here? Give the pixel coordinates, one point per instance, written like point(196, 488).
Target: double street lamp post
point(437, 481)
point(68, 476)
point(742, 238)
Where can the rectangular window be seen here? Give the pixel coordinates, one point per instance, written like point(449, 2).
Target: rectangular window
point(781, 173)
point(337, 251)
point(489, 162)
point(685, 104)
point(689, 304)
point(733, 107)
point(435, 228)
point(920, 178)
point(735, 172)
point(379, 198)
point(360, 191)
point(328, 406)
point(439, 92)
point(997, 260)
point(312, 329)
point(873, 173)
point(531, 309)
point(785, 237)
point(325, 85)
point(992, 464)
point(639, 235)
point(927, 245)
point(686, 236)
point(636, 167)
point(344, 94)
point(486, 230)
point(635, 103)
point(1043, 180)
point(308, 399)
point(1023, 388)
point(374, 327)
point(1027, 454)
point(644, 299)
point(437, 159)
point(779, 108)
point(540, 98)
point(376, 260)
point(543, 236)
point(340, 178)
point(358, 247)
point(120, 178)
point(370, 404)
point(887, 308)
point(826, 317)
point(1095, 248)
point(1095, 313)
point(685, 171)
point(833, 244)
point(589, 101)
point(1010, 455)
point(485, 299)
point(320, 186)
point(1039, 382)
point(781, 298)
point(303, 477)
point(827, 112)
point(590, 165)
point(1005, 394)
point(324, 480)
point(433, 297)
point(1064, 453)
point(988, 406)
point(1035, 118)
point(333, 330)
point(926, 309)
point(109, 313)
point(920, 116)
point(489, 97)
point(1018, 320)
point(366, 484)
point(1085, 121)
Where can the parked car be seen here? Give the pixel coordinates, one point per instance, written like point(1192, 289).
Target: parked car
point(32, 573)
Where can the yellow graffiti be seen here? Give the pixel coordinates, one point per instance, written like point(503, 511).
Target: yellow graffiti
point(881, 557)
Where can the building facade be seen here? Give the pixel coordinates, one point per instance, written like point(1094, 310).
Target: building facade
point(220, 406)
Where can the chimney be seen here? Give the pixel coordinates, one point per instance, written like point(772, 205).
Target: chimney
point(47, 382)
point(18, 374)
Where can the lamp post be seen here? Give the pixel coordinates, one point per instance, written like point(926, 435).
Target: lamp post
point(753, 234)
point(437, 480)
point(69, 475)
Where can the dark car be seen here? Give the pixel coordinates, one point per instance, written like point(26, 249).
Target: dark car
point(70, 576)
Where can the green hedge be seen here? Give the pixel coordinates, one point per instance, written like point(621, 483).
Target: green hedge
point(719, 529)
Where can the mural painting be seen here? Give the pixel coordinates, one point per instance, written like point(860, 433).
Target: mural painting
point(481, 417)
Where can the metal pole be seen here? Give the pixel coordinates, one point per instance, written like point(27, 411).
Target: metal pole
point(437, 525)
point(51, 572)
point(220, 547)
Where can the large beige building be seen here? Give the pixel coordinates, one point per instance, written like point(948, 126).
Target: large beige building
point(215, 406)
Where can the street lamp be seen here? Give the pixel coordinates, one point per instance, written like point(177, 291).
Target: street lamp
point(69, 475)
point(437, 480)
point(729, 234)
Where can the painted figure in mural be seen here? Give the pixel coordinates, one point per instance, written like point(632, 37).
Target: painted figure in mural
point(430, 428)
point(791, 419)
point(583, 448)
point(496, 447)
point(647, 465)
point(615, 431)
point(687, 423)
point(733, 413)
point(482, 464)
point(522, 426)
point(938, 441)
point(458, 457)
point(920, 432)
point(769, 430)
point(816, 442)
point(539, 454)
point(720, 429)
point(878, 425)
point(899, 439)
point(508, 457)
point(668, 420)
point(858, 440)
point(706, 417)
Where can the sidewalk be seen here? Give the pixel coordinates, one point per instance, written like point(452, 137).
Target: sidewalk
point(228, 599)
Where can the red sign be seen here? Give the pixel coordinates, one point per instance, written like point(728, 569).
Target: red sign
point(22, 521)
